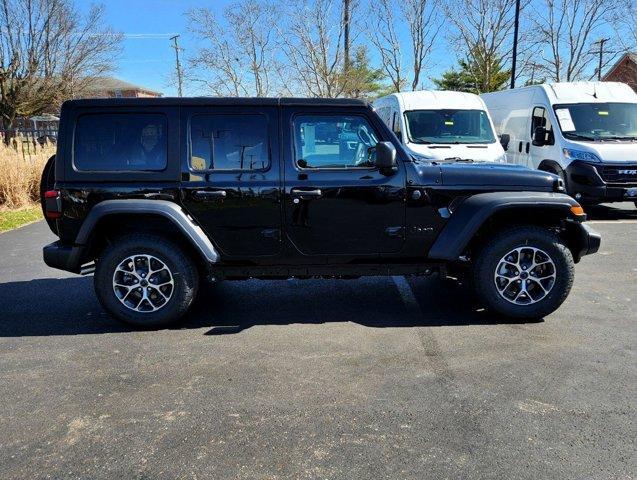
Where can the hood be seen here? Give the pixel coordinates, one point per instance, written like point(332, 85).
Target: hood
point(608, 151)
point(492, 176)
point(490, 152)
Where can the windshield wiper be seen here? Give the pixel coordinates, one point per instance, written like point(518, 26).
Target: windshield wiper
point(575, 136)
point(618, 137)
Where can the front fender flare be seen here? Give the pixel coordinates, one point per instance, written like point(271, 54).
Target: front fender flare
point(471, 214)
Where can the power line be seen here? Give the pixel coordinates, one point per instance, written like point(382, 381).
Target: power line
point(601, 52)
point(178, 66)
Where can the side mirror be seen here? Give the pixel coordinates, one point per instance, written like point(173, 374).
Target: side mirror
point(386, 158)
point(539, 137)
point(505, 138)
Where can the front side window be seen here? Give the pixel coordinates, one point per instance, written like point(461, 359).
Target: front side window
point(229, 142)
point(120, 142)
point(448, 126)
point(334, 141)
point(540, 118)
point(598, 121)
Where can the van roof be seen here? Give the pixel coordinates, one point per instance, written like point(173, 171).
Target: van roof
point(213, 101)
point(580, 92)
point(439, 99)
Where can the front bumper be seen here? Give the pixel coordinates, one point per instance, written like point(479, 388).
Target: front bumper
point(63, 257)
point(586, 240)
point(601, 183)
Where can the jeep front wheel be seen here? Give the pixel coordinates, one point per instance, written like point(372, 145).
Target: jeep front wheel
point(145, 280)
point(524, 272)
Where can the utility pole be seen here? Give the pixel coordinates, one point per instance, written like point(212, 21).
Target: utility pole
point(515, 42)
point(346, 21)
point(601, 56)
point(180, 81)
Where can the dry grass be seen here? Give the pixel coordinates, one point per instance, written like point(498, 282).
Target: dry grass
point(20, 173)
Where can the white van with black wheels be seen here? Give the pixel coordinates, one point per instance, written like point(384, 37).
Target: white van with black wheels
point(441, 125)
point(585, 132)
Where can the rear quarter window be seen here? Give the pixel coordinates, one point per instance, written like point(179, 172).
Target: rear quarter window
point(120, 142)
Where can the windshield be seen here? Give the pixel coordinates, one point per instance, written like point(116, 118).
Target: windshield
point(598, 121)
point(449, 126)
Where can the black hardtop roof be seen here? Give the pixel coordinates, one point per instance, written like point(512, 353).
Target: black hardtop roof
point(214, 101)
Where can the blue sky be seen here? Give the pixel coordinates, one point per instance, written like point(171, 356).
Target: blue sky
point(151, 61)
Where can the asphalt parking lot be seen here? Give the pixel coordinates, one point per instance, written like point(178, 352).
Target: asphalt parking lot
point(363, 379)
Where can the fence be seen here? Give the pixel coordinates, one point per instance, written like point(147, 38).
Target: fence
point(28, 142)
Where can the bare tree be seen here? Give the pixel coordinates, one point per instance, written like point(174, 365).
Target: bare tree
point(566, 31)
point(383, 34)
point(238, 58)
point(49, 53)
point(313, 45)
point(626, 21)
point(383, 29)
point(483, 31)
point(421, 20)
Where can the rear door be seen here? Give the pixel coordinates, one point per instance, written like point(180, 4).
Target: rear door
point(230, 181)
point(336, 201)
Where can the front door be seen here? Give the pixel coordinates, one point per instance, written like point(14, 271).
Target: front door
point(231, 182)
point(336, 201)
point(540, 118)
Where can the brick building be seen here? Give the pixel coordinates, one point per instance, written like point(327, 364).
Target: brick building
point(624, 70)
point(109, 87)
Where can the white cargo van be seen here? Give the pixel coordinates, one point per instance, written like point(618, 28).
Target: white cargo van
point(439, 125)
point(586, 132)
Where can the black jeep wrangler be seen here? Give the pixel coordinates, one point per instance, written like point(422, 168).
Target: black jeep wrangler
point(154, 195)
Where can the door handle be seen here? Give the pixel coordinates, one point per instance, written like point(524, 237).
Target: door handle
point(306, 194)
point(208, 194)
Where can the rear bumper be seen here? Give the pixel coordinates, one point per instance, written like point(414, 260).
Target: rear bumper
point(586, 182)
point(63, 257)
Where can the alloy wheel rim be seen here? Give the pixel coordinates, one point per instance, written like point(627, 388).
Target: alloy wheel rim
point(143, 283)
point(525, 275)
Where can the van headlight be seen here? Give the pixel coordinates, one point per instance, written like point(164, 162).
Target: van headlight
point(580, 155)
point(501, 159)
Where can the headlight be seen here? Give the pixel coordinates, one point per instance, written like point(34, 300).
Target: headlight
point(580, 155)
point(501, 159)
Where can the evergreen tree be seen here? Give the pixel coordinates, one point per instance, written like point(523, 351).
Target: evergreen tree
point(475, 75)
point(362, 81)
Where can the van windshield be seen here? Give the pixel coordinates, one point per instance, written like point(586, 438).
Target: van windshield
point(449, 126)
point(598, 121)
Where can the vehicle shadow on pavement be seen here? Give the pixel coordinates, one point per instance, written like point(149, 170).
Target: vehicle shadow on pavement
point(68, 306)
point(608, 212)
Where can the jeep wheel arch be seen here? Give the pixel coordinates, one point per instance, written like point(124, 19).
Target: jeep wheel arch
point(477, 210)
point(169, 211)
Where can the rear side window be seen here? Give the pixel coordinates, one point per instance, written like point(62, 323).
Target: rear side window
point(120, 142)
point(229, 142)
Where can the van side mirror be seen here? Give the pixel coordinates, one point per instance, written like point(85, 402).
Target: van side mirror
point(539, 137)
point(386, 158)
point(505, 138)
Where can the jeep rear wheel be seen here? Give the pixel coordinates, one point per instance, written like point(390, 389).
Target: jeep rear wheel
point(524, 272)
point(145, 280)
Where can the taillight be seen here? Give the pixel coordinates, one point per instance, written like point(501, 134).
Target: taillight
point(52, 204)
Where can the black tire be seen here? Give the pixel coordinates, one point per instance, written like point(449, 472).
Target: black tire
point(180, 266)
point(503, 242)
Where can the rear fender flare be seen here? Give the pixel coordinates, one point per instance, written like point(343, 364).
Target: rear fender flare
point(169, 210)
